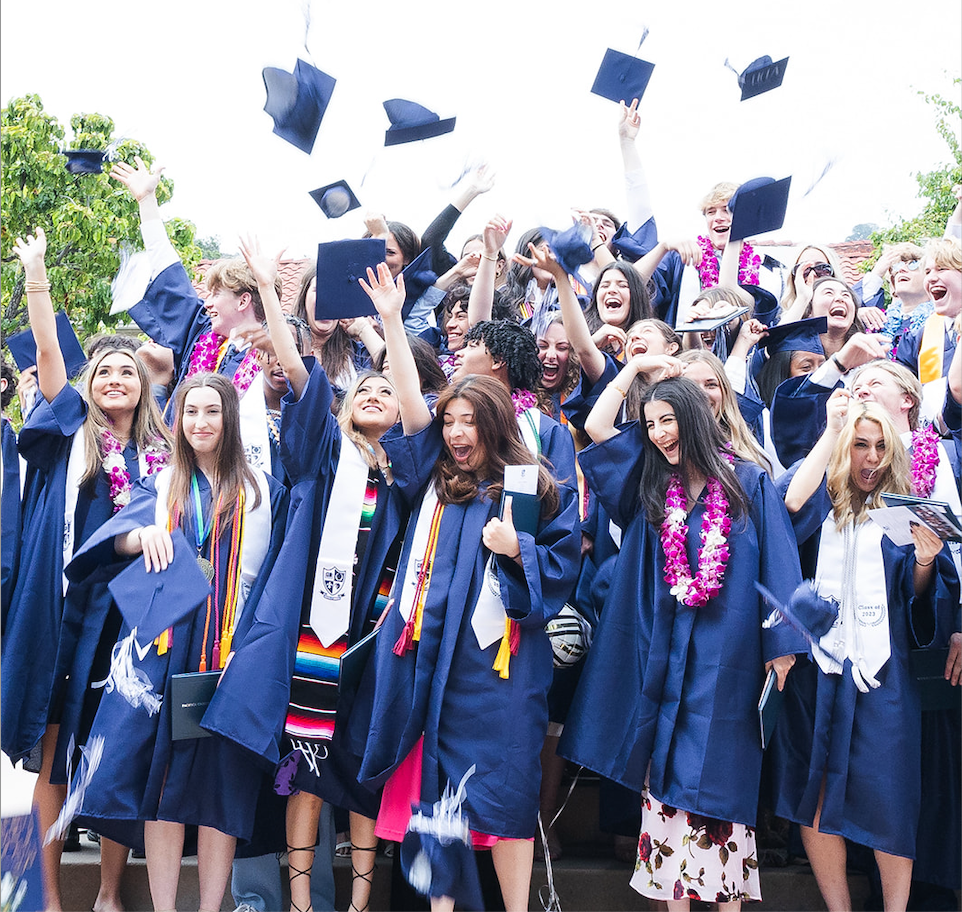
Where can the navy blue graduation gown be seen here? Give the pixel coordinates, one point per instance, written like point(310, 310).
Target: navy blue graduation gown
point(10, 528)
point(798, 417)
point(40, 640)
point(445, 687)
point(144, 775)
point(311, 442)
point(866, 746)
point(674, 686)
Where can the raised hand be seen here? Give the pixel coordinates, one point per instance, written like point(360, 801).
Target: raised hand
point(386, 295)
point(140, 181)
point(31, 250)
point(495, 234)
point(263, 267)
point(630, 121)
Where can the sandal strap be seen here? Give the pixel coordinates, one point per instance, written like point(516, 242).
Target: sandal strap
point(299, 872)
point(369, 876)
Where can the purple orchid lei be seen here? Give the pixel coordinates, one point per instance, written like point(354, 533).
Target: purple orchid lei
point(749, 264)
point(205, 357)
point(155, 455)
point(925, 459)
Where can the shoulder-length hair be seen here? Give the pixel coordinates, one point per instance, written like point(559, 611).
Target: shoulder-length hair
point(345, 415)
point(730, 417)
point(849, 503)
point(148, 428)
point(828, 255)
point(701, 445)
point(499, 438)
point(639, 305)
point(232, 471)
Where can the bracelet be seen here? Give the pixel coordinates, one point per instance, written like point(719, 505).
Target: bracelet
point(32, 286)
point(839, 364)
point(514, 556)
point(493, 259)
point(617, 388)
point(918, 563)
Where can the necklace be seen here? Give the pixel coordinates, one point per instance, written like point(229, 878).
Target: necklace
point(748, 264)
point(713, 554)
point(208, 353)
point(273, 416)
point(155, 455)
point(925, 459)
point(202, 530)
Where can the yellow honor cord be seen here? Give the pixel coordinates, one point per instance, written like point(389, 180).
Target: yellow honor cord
point(503, 658)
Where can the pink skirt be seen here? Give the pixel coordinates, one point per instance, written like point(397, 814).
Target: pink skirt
point(402, 791)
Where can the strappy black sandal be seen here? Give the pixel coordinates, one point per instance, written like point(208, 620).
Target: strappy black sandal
point(293, 873)
point(369, 876)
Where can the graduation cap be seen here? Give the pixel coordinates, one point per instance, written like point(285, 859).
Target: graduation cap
point(297, 102)
point(411, 121)
point(801, 335)
point(339, 265)
point(335, 199)
point(418, 278)
point(437, 857)
point(152, 601)
point(633, 245)
point(622, 77)
point(760, 76)
point(85, 161)
point(806, 612)
point(23, 347)
point(571, 247)
point(757, 206)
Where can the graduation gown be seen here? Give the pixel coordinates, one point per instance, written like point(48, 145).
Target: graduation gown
point(865, 745)
point(445, 687)
point(10, 526)
point(674, 686)
point(40, 640)
point(144, 775)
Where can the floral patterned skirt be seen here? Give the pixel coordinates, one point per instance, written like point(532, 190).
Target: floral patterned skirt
point(684, 855)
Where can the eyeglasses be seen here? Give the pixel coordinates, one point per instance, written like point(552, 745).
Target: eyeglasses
point(821, 270)
point(909, 265)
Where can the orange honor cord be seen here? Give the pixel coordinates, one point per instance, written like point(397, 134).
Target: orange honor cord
point(412, 628)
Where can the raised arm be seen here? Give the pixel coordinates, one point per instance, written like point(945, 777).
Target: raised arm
point(141, 182)
point(388, 299)
point(481, 301)
point(264, 270)
point(636, 183)
point(811, 472)
point(51, 370)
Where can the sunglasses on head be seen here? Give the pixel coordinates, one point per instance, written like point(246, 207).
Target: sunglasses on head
point(821, 270)
point(910, 265)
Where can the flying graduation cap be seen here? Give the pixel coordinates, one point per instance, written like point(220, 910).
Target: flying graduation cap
point(335, 199)
point(622, 77)
point(760, 76)
point(85, 161)
point(411, 121)
point(297, 101)
point(757, 206)
point(339, 266)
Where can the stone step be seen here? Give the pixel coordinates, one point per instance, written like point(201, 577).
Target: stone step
point(583, 879)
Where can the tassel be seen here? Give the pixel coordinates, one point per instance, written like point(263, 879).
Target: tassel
point(130, 683)
point(225, 649)
point(165, 641)
point(90, 757)
point(514, 639)
point(406, 640)
point(503, 658)
point(215, 657)
point(203, 663)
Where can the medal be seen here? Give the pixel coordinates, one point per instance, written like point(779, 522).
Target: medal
point(206, 567)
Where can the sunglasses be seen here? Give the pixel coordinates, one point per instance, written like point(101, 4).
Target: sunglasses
point(909, 265)
point(821, 270)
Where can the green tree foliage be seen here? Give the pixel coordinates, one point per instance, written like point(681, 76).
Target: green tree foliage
point(935, 187)
point(88, 218)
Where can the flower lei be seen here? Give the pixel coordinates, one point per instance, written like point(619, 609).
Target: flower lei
point(523, 400)
point(712, 555)
point(155, 455)
point(925, 458)
point(205, 357)
point(749, 264)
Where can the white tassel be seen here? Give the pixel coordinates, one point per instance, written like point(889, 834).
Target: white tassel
point(447, 823)
point(131, 683)
point(90, 757)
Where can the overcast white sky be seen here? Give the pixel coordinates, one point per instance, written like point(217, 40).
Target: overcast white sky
point(185, 79)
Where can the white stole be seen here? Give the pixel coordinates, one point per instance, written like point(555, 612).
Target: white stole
point(851, 574)
point(253, 426)
point(76, 466)
point(404, 600)
point(331, 590)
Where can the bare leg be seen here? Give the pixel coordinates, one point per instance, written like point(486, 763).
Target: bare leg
point(164, 845)
point(363, 855)
point(303, 815)
point(215, 854)
point(677, 905)
point(442, 904)
point(734, 906)
point(896, 873)
point(48, 800)
point(513, 860)
point(113, 863)
point(552, 772)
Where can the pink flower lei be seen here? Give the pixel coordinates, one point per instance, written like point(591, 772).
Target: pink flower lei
point(925, 459)
point(748, 264)
point(155, 455)
point(206, 357)
point(523, 400)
